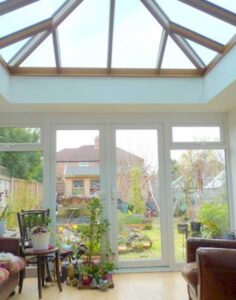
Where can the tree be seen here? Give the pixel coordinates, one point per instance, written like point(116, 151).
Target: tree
point(136, 198)
point(24, 165)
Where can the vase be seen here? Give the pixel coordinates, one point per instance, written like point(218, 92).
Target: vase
point(41, 241)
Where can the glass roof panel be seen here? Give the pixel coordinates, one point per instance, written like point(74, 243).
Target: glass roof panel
point(204, 53)
point(28, 15)
point(227, 4)
point(198, 21)
point(8, 52)
point(42, 56)
point(84, 35)
point(174, 58)
point(136, 36)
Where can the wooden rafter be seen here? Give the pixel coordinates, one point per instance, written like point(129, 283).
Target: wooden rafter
point(162, 47)
point(188, 51)
point(164, 21)
point(103, 72)
point(213, 9)
point(10, 5)
point(57, 18)
point(196, 37)
point(110, 34)
point(64, 11)
point(28, 48)
point(56, 46)
point(25, 33)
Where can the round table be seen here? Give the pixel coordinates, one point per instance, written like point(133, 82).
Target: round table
point(41, 255)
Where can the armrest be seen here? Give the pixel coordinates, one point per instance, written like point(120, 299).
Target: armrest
point(11, 245)
point(194, 243)
point(216, 273)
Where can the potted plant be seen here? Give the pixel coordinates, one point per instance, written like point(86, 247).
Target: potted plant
point(93, 232)
point(107, 269)
point(40, 236)
point(182, 226)
point(195, 226)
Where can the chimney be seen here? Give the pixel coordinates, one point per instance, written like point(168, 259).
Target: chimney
point(96, 144)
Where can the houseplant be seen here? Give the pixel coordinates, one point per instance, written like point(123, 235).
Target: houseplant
point(86, 269)
point(40, 236)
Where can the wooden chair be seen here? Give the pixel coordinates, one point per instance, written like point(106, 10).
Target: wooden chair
point(27, 219)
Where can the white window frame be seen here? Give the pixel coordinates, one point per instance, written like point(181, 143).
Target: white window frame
point(221, 145)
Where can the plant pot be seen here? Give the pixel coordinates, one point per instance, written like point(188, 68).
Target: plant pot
point(86, 280)
point(2, 227)
point(40, 241)
point(195, 226)
point(182, 228)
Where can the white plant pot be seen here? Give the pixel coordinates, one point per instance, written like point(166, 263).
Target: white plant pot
point(2, 227)
point(41, 241)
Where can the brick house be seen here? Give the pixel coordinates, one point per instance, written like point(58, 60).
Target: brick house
point(77, 171)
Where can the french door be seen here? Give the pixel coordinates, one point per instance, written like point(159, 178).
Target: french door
point(124, 166)
point(138, 206)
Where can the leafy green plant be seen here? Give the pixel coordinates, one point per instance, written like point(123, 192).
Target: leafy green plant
point(92, 233)
point(4, 213)
point(109, 267)
point(214, 218)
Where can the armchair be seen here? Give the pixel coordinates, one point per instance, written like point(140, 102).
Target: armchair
point(210, 271)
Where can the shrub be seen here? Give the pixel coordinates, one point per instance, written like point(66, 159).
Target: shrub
point(214, 218)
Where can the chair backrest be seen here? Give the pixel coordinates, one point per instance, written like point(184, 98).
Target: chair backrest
point(27, 219)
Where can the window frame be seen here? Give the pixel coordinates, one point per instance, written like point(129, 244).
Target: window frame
point(14, 147)
point(198, 145)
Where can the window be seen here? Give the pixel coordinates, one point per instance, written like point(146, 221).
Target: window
point(196, 134)
point(198, 184)
point(83, 164)
point(94, 187)
point(77, 187)
point(78, 183)
point(18, 135)
point(21, 182)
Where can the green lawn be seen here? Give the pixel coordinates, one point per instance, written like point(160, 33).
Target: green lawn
point(155, 251)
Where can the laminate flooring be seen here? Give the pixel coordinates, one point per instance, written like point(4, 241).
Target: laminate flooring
point(128, 286)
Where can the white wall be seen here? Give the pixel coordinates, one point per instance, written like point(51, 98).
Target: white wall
point(101, 90)
point(221, 76)
point(4, 83)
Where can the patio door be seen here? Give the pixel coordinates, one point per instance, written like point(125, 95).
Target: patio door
point(137, 194)
point(79, 177)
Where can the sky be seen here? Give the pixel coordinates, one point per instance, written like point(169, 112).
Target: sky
point(141, 142)
point(83, 35)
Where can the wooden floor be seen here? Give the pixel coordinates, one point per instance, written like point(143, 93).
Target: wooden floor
point(134, 286)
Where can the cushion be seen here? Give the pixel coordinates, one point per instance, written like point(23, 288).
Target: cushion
point(12, 263)
point(189, 273)
point(4, 274)
point(17, 265)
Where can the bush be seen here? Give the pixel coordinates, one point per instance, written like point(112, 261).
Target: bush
point(214, 218)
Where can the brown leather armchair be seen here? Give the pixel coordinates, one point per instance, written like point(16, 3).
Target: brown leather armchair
point(210, 270)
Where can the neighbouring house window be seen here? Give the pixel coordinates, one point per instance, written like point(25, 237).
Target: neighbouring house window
point(77, 187)
point(83, 164)
point(94, 187)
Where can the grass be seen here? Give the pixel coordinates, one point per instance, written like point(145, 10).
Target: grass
point(155, 251)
